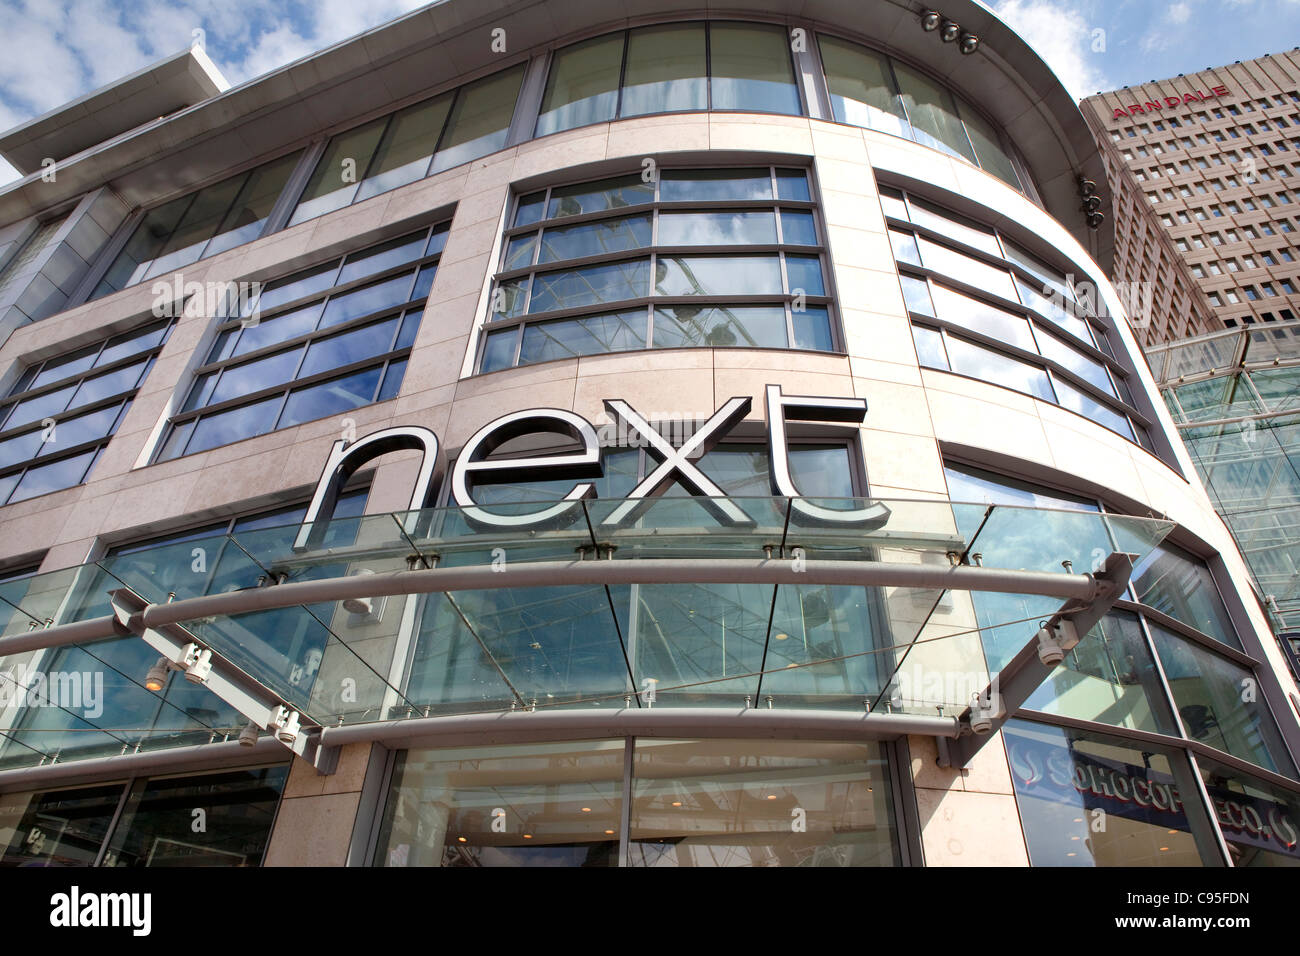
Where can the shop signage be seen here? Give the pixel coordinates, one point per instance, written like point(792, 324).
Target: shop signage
point(1170, 102)
point(677, 465)
point(1050, 772)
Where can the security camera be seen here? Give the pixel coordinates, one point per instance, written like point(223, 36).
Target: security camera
point(197, 663)
point(287, 732)
point(1055, 641)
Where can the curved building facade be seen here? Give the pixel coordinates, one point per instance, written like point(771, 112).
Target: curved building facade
point(528, 435)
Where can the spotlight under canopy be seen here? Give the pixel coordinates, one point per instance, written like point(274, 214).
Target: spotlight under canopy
point(157, 676)
point(969, 43)
point(949, 31)
point(930, 20)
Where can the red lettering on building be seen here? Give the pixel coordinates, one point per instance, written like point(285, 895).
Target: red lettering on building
point(1119, 111)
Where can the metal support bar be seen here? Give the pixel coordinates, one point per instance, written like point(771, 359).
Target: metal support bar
point(1026, 672)
point(123, 766)
point(78, 632)
point(1077, 587)
point(516, 726)
point(255, 701)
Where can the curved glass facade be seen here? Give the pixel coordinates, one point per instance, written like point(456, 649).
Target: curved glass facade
point(687, 258)
point(984, 307)
point(691, 66)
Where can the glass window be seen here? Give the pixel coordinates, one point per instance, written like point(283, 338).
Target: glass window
point(582, 86)
point(585, 198)
point(157, 825)
point(688, 326)
point(403, 154)
point(1086, 368)
point(714, 185)
point(966, 269)
point(333, 182)
point(751, 69)
point(979, 362)
point(797, 227)
point(203, 223)
point(533, 805)
point(988, 150)
point(1109, 677)
point(916, 293)
point(604, 237)
point(978, 317)
point(46, 422)
point(730, 803)
point(1180, 585)
point(330, 398)
point(953, 225)
point(796, 317)
point(405, 268)
point(1219, 703)
point(933, 114)
point(1065, 780)
point(480, 119)
point(1259, 821)
point(812, 329)
point(752, 227)
point(57, 827)
point(1087, 406)
point(567, 338)
point(929, 347)
point(718, 275)
point(570, 288)
point(666, 70)
point(861, 87)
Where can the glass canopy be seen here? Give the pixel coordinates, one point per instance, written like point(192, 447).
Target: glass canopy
point(502, 647)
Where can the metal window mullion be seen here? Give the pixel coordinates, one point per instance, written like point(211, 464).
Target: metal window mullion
point(519, 344)
point(622, 75)
point(528, 101)
point(116, 818)
point(81, 294)
point(708, 67)
point(248, 178)
point(814, 88)
point(374, 156)
point(625, 817)
point(898, 92)
point(284, 400)
point(1206, 805)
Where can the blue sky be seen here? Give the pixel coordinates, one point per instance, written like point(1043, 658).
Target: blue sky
point(52, 51)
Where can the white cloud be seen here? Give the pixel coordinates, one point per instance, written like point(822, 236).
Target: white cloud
point(1060, 35)
point(1179, 12)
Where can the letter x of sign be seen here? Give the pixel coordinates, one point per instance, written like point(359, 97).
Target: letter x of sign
point(677, 465)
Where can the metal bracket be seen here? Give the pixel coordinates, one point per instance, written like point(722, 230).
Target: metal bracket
point(1025, 672)
point(255, 701)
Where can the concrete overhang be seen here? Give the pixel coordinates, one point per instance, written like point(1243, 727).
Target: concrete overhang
point(443, 44)
point(169, 85)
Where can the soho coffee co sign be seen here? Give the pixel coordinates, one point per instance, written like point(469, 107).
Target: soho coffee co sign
point(1138, 793)
point(677, 465)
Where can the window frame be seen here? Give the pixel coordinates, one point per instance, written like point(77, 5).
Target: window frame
point(494, 322)
point(121, 399)
point(1116, 370)
point(384, 360)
